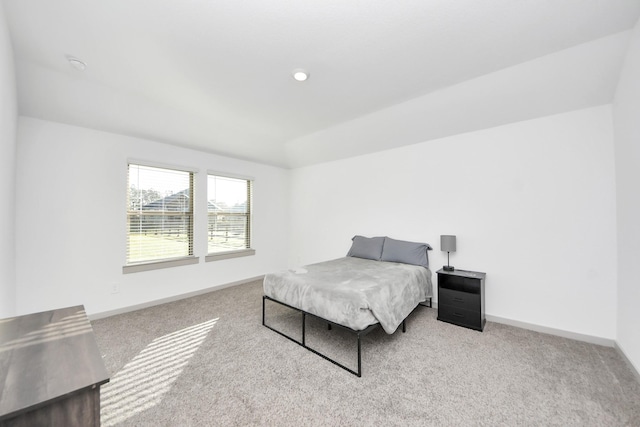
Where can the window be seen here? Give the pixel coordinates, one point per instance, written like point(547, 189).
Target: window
point(229, 217)
point(159, 217)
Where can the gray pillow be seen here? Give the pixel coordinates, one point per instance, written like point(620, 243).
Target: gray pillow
point(405, 252)
point(366, 247)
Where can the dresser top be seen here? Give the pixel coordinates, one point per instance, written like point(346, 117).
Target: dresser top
point(46, 355)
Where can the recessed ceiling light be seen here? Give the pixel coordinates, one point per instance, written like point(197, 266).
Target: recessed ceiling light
point(300, 75)
point(76, 63)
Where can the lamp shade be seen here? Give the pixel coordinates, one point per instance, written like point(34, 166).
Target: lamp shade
point(448, 243)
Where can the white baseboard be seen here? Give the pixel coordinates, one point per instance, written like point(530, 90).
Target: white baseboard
point(553, 331)
point(565, 334)
point(626, 359)
point(571, 335)
point(530, 326)
point(533, 327)
point(546, 330)
point(103, 314)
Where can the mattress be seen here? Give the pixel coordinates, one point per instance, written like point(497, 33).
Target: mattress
point(353, 292)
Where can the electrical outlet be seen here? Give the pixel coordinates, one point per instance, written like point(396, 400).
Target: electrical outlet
point(115, 287)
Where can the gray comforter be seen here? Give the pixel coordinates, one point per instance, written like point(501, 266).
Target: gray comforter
point(353, 292)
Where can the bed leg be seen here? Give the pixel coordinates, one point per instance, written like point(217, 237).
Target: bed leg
point(359, 358)
point(424, 304)
point(404, 326)
point(304, 321)
point(302, 343)
point(328, 326)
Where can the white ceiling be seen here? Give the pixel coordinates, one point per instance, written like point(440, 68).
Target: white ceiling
point(215, 75)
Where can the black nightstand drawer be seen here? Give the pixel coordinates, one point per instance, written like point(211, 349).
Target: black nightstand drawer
point(458, 299)
point(460, 316)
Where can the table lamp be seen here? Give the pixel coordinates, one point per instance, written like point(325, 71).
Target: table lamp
point(448, 244)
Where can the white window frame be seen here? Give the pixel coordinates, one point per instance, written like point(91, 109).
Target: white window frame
point(217, 256)
point(169, 262)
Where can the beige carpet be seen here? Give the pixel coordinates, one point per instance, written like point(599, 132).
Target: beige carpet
point(208, 360)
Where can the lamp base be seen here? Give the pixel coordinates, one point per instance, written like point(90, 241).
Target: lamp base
point(448, 268)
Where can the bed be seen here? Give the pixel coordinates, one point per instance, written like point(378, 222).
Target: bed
point(380, 282)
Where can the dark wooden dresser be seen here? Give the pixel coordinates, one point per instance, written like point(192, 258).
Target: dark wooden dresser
point(50, 370)
point(461, 298)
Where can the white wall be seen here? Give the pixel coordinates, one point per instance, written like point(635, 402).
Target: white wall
point(626, 112)
point(532, 204)
point(8, 121)
point(71, 222)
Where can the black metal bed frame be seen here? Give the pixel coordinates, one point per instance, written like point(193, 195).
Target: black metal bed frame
point(330, 324)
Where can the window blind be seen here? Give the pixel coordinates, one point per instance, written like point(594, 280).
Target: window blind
point(159, 214)
point(229, 213)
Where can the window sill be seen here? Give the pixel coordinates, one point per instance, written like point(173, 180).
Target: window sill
point(156, 265)
point(231, 254)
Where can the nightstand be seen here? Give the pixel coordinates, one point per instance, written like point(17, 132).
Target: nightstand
point(461, 298)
